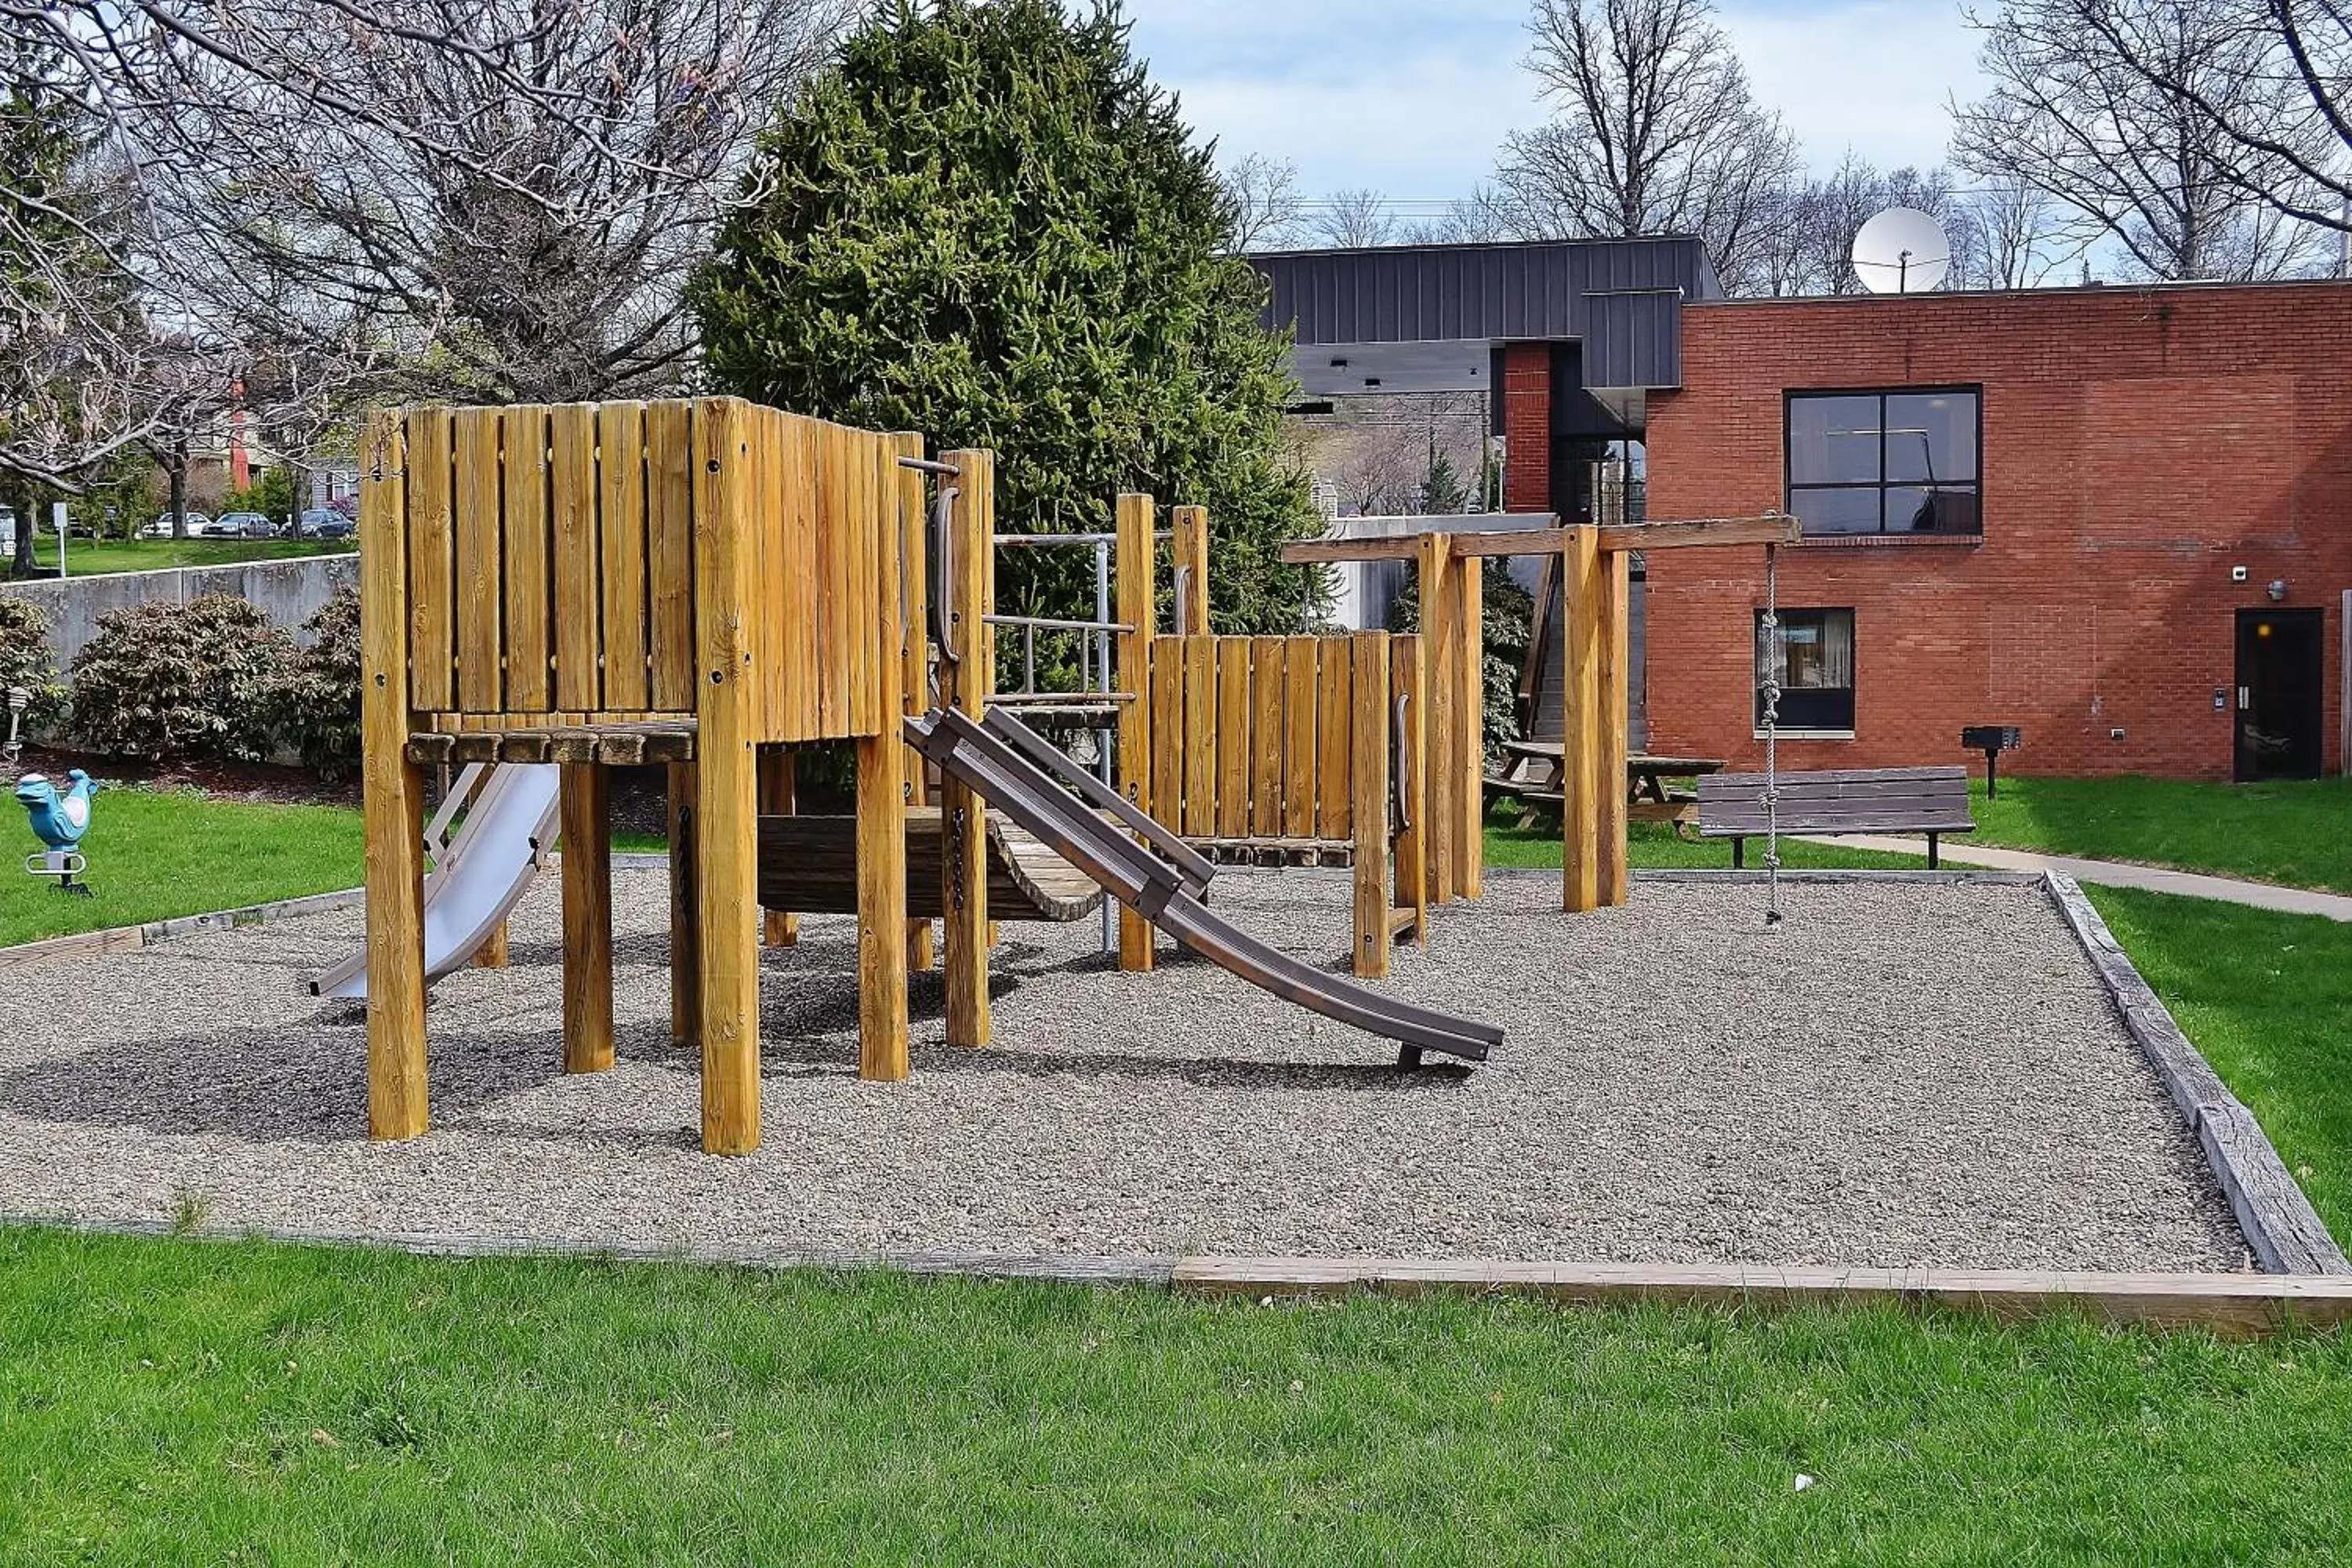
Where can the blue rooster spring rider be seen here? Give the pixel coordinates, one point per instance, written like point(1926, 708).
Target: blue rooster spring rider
point(58, 821)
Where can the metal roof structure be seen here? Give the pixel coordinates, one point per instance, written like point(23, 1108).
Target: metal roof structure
point(1426, 317)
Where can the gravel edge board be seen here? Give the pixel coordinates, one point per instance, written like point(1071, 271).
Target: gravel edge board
point(2231, 1304)
point(126, 939)
point(2286, 1233)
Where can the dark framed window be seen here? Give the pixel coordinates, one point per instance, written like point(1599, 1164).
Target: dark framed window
point(1901, 461)
point(1812, 653)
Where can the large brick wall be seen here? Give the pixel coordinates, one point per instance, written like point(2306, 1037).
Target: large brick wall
point(2139, 444)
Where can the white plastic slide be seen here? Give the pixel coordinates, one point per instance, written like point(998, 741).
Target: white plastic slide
point(479, 875)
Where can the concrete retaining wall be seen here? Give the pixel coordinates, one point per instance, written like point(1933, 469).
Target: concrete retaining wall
point(289, 592)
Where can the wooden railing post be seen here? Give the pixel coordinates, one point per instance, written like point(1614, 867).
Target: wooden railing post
point(1441, 636)
point(1616, 723)
point(1408, 682)
point(727, 824)
point(914, 644)
point(393, 818)
point(1190, 556)
point(780, 793)
point(1131, 561)
point(882, 806)
point(965, 682)
point(1369, 778)
point(1469, 763)
point(1581, 720)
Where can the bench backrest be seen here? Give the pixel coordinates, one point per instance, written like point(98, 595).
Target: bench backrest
point(1862, 800)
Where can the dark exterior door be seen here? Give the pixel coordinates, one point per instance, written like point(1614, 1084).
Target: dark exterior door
point(2281, 702)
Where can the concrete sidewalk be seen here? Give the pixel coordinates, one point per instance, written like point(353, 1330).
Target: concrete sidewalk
point(2111, 874)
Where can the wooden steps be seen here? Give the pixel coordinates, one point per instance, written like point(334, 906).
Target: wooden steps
point(808, 865)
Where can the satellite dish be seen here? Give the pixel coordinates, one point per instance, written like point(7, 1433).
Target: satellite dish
point(1901, 251)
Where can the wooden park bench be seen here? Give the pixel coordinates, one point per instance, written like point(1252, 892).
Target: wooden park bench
point(1933, 800)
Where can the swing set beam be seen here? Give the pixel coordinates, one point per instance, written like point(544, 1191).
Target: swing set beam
point(1596, 584)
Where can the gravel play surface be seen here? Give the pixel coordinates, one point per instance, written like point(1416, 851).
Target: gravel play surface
point(1906, 1075)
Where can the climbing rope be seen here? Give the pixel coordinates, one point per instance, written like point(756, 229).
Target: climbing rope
point(1770, 629)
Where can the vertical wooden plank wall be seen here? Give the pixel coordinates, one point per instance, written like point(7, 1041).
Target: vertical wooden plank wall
point(474, 531)
point(1469, 761)
point(1369, 792)
point(1407, 680)
point(432, 589)
point(1233, 747)
point(398, 1103)
point(1580, 814)
point(1199, 820)
point(528, 558)
point(621, 532)
point(1268, 731)
point(572, 488)
point(669, 534)
point(1300, 664)
point(914, 644)
point(1190, 554)
point(1614, 674)
point(882, 929)
point(1140, 674)
point(964, 684)
point(726, 828)
point(1440, 633)
point(1165, 800)
point(1335, 809)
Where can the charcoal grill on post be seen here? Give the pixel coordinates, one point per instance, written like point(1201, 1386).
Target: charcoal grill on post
point(1992, 739)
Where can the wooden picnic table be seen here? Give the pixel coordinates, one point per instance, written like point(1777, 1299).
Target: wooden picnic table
point(1536, 772)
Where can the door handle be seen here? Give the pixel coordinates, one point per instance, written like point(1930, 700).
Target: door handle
point(2245, 698)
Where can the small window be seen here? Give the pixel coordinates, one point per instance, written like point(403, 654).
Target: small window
point(1886, 462)
point(1813, 656)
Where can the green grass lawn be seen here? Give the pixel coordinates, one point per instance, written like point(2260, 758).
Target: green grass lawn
point(215, 1402)
point(2287, 833)
point(2268, 999)
point(157, 854)
point(92, 558)
point(1655, 844)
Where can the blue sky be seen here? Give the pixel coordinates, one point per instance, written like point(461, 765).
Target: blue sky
point(1411, 97)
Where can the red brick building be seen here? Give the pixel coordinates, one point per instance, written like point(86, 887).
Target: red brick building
point(2117, 518)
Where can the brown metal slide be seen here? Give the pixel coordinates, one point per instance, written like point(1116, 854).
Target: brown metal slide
point(1163, 881)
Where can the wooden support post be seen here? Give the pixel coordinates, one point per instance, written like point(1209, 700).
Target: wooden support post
point(584, 792)
point(493, 953)
point(1580, 731)
point(394, 817)
point(882, 929)
point(1407, 681)
point(780, 796)
point(1131, 563)
point(726, 817)
point(1440, 634)
point(915, 648)
point(1616, 722)
point(1191, 559)
point(1368, 776)
point(965, 682)
point(685, 917)
point(1470, 763)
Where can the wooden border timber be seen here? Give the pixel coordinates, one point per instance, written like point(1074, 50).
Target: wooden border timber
point(2230, 1306)
point(2234, 1304)
point(2285, 1232)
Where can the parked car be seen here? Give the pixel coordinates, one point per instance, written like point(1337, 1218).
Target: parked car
point(199, 524)
point(322, 522)
point(243, 525)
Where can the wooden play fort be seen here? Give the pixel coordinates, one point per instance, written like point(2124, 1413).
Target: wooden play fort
point(705, 585)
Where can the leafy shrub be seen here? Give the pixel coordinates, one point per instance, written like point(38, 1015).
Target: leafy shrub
point(1506, 625)
point(24, 661)
point(314, 703)
point(193, 680)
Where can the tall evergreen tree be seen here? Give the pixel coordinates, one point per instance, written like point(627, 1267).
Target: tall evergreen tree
point(986, 223)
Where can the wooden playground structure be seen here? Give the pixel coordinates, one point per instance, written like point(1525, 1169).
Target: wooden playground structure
point(706, 584)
